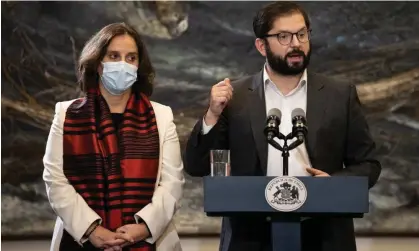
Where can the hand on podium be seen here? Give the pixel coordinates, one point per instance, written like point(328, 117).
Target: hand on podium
point(316, 172)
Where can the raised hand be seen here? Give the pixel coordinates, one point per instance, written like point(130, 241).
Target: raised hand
point(221, 94)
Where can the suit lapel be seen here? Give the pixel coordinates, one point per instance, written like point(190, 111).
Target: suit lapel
point(257, 114)
point(316, 108)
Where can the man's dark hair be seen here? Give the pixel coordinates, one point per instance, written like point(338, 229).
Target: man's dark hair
point(265, 17)
point(95, 49)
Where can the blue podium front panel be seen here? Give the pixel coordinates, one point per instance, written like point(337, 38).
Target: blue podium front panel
point(250, 194)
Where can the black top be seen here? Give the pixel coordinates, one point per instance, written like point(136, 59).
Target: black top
point(117, 119)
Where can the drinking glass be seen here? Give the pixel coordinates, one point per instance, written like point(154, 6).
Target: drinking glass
point(220, 162)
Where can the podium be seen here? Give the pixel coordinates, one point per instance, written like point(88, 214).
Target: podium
point(286, 201)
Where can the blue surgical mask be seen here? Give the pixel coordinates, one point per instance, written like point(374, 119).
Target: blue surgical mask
point(117, 77)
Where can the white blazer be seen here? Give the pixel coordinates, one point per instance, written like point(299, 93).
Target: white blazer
point(73, 213)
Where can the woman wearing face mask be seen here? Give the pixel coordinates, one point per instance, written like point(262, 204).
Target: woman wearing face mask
point(113, 167)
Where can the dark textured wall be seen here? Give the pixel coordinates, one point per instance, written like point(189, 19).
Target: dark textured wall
point(373, 44)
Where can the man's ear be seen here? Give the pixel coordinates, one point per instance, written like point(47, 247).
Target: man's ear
point(260, 45)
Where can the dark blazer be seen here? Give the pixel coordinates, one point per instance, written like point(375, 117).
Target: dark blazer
point(338, 134)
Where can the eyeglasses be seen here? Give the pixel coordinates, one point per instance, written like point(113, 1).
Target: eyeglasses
point(285, 37)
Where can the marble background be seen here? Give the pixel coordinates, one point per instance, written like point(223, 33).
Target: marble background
point(193, 45)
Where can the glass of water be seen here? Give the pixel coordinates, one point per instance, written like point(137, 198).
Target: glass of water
point(220, 162)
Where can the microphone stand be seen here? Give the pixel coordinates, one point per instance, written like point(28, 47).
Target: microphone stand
point(285, 148)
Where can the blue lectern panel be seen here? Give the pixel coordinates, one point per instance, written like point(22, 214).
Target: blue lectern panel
point(246, 194)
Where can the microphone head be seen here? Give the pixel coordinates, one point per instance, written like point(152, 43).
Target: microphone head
point(298, 112)
point(275, 112)
point(299, 129)
point(272, 123)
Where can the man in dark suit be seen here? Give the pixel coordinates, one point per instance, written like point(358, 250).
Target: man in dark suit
point(338, 140)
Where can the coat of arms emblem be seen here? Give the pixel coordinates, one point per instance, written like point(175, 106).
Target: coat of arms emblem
point(285, 193)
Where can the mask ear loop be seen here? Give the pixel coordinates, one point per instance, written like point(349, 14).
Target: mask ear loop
point(100, 74)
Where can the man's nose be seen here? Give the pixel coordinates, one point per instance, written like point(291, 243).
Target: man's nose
point(294, 41)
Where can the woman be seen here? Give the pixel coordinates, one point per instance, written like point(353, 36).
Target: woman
point(113, 167)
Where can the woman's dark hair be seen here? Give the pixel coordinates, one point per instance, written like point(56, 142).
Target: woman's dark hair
point(265, 17)
point(95, 50)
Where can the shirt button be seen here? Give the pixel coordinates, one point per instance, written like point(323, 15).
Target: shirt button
point(268, 218)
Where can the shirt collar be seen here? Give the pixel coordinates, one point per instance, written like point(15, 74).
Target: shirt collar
point(267, 80)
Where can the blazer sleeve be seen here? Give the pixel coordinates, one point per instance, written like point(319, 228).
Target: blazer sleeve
point(166, 198)
point(67, 204)
point(201, 141)
point(360, 157)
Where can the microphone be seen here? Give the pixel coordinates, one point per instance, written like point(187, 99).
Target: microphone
point(272, 123)
point(299, 124)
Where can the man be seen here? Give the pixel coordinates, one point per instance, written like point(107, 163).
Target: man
point(338, 140)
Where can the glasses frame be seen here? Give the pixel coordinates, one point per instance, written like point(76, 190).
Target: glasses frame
point(292, 36)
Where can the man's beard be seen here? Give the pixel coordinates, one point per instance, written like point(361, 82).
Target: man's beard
point(281, 66)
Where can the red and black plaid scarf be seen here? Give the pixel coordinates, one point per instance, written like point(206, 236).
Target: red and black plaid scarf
point(114, 171)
